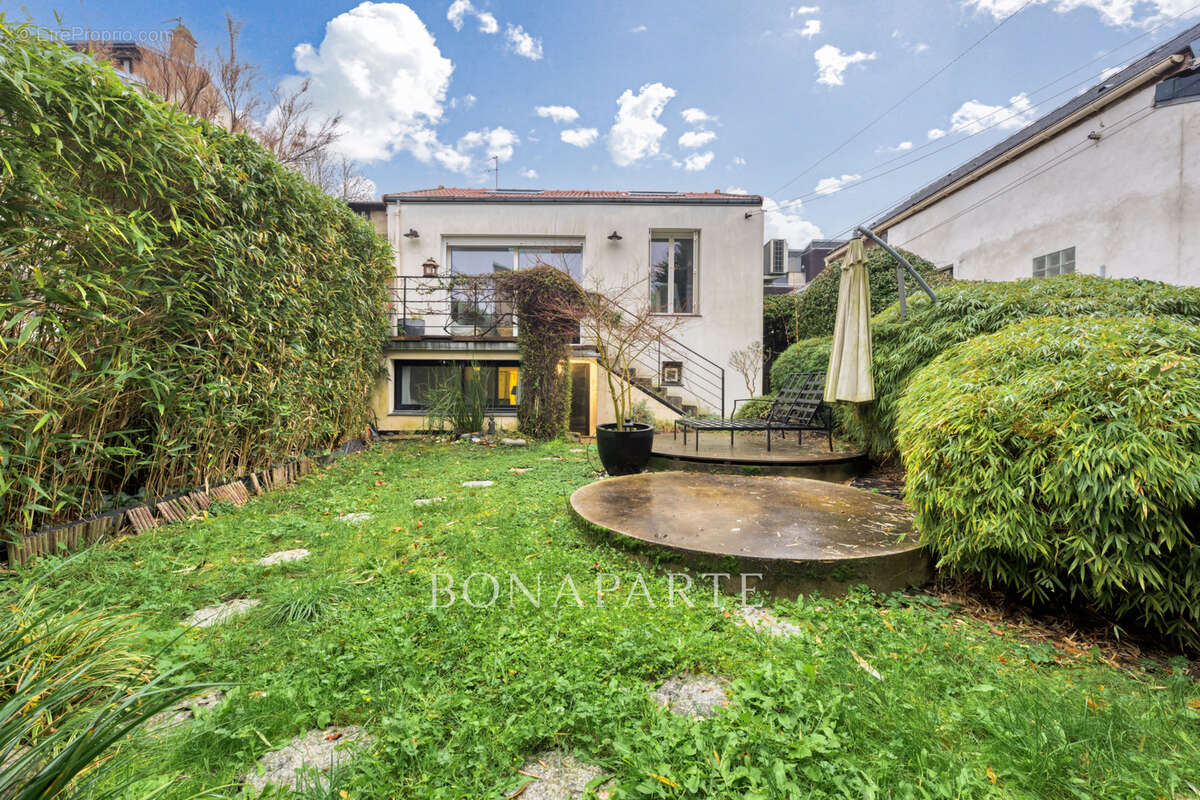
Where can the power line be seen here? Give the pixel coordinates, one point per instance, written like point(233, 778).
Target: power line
point(905, 98)
point(907, 157)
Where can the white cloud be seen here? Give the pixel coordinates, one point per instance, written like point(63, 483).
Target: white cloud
point(498, 141)
point(788, 223)
point(935, 134)
point(738, 161)
point(580, 137)
point(457, 12)
point(559, 114)
point(694, 139)
point(811, 28)
point(529, 173)
point(805, 11)
point(834, 183)
point(900, 148)
point(735, 190)
point(920, 47)
point(488, 23)
point(457, 15)
point(466, 101)
point(975, 117)
point(695, 116)
point(379, 67)
point(832, 63)
point(638, 29)
point(698, 161)
point(522, 43)
point(1117, 13)
point(636, 133)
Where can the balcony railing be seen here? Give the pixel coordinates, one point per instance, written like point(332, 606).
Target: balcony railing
point(456, 306)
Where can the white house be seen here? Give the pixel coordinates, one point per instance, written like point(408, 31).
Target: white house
point(1106, 184)
point(693, 257)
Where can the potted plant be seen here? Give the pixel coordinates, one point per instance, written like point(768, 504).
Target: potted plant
point(411, 325)
point(621, 338)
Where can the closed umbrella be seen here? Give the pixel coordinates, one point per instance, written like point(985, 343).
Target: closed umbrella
point(849, 377)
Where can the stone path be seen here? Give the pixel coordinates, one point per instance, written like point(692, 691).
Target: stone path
point(425, 501)
point(760, 619)
point(477, 484)
point(695, 696)
point(555, 776)
point(317, 749)
point(222, 612)
point(283, 556)
point(519, 470)
point(187, 710)
point(355, 517)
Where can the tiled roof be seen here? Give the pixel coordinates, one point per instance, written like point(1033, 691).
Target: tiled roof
point(449, 194)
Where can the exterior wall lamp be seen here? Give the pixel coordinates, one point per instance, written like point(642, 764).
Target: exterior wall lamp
point(412, 234)
point(615, 237)
point(430, 267)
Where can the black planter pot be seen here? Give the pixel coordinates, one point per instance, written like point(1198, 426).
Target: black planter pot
point(624, 451)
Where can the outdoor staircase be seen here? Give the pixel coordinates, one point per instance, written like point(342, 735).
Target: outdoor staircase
point(661, 393)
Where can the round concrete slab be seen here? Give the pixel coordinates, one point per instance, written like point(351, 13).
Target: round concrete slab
point(801, 534)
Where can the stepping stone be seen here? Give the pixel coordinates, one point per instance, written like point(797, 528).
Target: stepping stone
point(425, 501)
point(555, 776)
point(316, 750)
point(762, 620)
point(222, 612)
point(514, 442)
point(552, 458)
point(576, 450)
point(695, 696)
point(283, 556)
point(477, 484)
point(519, 470)
point(355, 517)
point(178, 714)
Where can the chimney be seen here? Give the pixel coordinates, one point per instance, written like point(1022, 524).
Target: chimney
point(183, 44)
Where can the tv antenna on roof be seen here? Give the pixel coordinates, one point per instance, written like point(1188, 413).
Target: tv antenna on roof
point(496, 169)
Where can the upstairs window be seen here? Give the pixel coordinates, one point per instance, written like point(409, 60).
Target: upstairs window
point(673, 273)
point(1060, 262)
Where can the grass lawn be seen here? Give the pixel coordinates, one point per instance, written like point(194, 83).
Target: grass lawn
point(457, 698)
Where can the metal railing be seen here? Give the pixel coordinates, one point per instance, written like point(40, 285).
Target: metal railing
point(469, 307)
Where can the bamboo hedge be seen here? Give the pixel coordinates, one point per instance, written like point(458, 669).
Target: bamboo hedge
point(178, 308)
point(1060, 458)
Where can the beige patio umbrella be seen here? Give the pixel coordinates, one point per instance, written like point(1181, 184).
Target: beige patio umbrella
point(849, 377)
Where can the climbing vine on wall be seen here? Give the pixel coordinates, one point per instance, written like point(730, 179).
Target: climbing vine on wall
point(549, 304)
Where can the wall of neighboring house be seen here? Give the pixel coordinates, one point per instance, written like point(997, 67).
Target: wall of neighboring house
point(1128, 203)
point(728, 285)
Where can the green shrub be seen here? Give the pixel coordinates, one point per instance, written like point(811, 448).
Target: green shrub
point(756, 408)
point(808, 355)
point(789, 318)
point(965, 310)
point(179, 307)
point(1061, 458)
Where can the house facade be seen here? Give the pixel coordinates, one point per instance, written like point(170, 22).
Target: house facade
point(786, 270)
point(691, 258)
point(1107, 184)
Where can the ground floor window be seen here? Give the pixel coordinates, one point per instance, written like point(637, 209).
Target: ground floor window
point(1060, 262)
point(416, 384)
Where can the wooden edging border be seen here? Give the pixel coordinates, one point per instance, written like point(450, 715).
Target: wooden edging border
point(71, 536)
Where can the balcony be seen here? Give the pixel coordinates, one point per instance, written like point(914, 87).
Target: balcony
point(453, 307)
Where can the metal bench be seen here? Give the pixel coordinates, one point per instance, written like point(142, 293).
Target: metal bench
point(798, 406)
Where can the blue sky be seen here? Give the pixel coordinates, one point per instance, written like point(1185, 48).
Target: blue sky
point(699, 95)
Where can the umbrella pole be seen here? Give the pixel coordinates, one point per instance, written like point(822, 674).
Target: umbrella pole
point(903, 265)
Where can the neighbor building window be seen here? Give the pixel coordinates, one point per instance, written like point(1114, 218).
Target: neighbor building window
point(673, 273)
point(419, 384)
point(1060, 262)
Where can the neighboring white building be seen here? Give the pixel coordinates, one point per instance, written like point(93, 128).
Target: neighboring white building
point(1107, 184)
point(694, 256)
